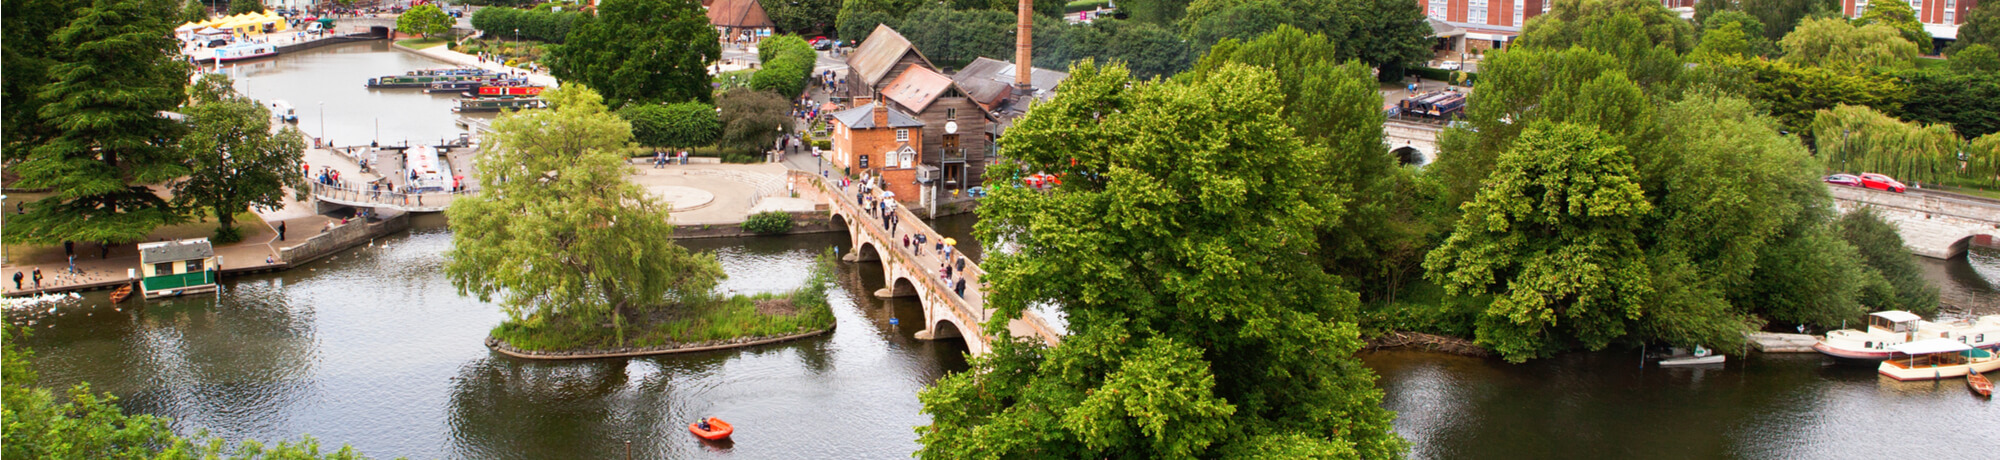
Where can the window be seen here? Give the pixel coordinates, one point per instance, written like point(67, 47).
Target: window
point(909, 157)
point(194, 265)
point(1520, 8)
point(902, 135)
point(1438, 8)
point(1476, 12)
point(951, 113)
point(163, 268)
point(1860, 6)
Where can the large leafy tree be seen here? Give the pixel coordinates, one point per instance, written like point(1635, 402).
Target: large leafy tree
point(857, 18)
point(1146, 49)
point(1900, 16)
point(116, 72)
point(752, 120)
point(1516, 87)
point(236, 160)
point(28, 28)
point(425, 20)
point(1981, 27)
point(558, 233)
point(685, 124)
point(1781, 16)
point(952, 38)
point(1385, 34)
point(1554, 239)
point(194, 11)
point(1839, 46)
point(1177, 245)
point(798, 16)
point(1795, 93)
point(1748, 34)
point(1643, 36)
point(237, 7)
point(1882, 252)
point(641, 50)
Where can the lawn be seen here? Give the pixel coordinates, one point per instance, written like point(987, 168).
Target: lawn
point(421, 43)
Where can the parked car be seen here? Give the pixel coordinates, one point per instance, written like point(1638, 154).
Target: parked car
point(1843, 179)
point(1881, 182)
point(821, 43)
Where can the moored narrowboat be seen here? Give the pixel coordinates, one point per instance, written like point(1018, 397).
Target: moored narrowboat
point(495, 104)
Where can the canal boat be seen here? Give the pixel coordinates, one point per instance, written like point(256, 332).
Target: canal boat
point(1701, 356)
point(455, 86)
point(1887, 329)
point(1932, 359)
point(241, 51)
point(119, 295)
point(495, 104)
point(717, 429)
point(504, 90)
point(179, 267)
point(1979, 384)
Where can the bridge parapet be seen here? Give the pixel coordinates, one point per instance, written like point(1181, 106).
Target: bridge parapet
point(406, 202)
point(1936, 225)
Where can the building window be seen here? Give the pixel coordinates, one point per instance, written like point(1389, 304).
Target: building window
point(951, 113)
point(1520, 8)
point(1860, 6)
point(163, 268)
point(1476, 12)
point(194, 265)
point(1438, 8)
point(902, 135)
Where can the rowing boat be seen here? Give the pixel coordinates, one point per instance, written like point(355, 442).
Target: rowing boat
point(1979, 384)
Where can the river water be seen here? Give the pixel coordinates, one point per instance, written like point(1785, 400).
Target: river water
point(374, 348)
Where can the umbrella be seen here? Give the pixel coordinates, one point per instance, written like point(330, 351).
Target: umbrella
point(888, 194)
point(951, 241)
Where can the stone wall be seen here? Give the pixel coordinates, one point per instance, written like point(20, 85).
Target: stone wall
point(1932, 225)
point(342, 237)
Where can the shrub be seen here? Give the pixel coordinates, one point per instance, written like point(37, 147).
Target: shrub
point(769, 223)
point(539, 24)
point(787, 63)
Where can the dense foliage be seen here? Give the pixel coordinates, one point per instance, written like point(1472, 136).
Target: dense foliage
point(641, 51)
point(425, 20)
point(1387, 34)
point(753, 120)
point(112, 70)
point(787, 65)
point(1199, 325)
point(559, 234)
point(1981, 27)
point(682, 125)
point(1836, 45)
point(801, 16)
point(236, 160)
point(769, 222)
point(530, 24)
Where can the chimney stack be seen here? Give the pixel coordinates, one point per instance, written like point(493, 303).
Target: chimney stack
point(1024, 63)
point(882, 115)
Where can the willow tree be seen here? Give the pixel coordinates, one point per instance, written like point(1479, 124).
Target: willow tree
point(558, 233)
point(1860, 139)
point(1179, 245)
point(1837, 45)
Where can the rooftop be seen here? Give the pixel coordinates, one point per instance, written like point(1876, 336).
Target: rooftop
point(991, 81)
point(917, 88)
point(175, 251)
point(738, 13)
point(879, 53)
point(863, 117)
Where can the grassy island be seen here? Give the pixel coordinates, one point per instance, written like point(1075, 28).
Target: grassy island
point(712, 321)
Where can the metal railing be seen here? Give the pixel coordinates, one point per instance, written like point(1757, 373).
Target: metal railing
point(412, 202)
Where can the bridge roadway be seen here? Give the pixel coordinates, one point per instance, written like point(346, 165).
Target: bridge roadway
point(907, 272)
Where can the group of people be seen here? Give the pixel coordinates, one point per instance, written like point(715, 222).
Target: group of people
point(881, 206)
point(662, 159)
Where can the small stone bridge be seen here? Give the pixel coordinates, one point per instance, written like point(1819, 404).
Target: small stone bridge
point(1412, 139)
point(908, 273)
point(1933, 224)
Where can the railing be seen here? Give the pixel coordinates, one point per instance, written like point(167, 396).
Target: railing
point(413, 202)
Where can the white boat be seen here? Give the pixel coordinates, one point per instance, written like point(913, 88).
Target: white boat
point(1887, 329)
point(283, 110)
point(1931, 359)
point(1702, 355)
point(242, 51)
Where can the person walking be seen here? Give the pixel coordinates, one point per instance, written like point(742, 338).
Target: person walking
point(18, 275)
point(38, 277)
point(281, 230)
point(960, 289)
point(72, 264)
point(69, 248)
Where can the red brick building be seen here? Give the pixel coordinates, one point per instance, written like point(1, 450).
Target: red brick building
point(882, 141)
point(956, 141)
point(1940, 17)
point(1488, 24)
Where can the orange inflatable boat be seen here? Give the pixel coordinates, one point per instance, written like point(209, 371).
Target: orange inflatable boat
point(717, 429)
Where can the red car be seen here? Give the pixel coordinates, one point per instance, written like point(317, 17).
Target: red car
point(1881, 182)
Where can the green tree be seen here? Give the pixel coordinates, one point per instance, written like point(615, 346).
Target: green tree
point(952, 38)
point(237, 7)
point(788, 64)
point(1939, 96)
point(1241, 21)
point(1146, 49)
point(1795, 93)
point(1853, 138)
point(800, 16)
point(858, 18)
point(1751, 30)
point(1642, 35)
point(1781, 16)
point(425, 20)
point(1976, 59)
point(1836, 45)
point(28, 28)
point(1390, 35)
point(558, 233)
point(117, 72)
point(1517, 87)
point(1882, 251)
point(1981, 26)
point(1198, 325)
point(685, 124)
point(1554, 238)
point(1897, 15)
point(1705, 10)
point(641, 50)
point(194, 11)
point(1157, 12)
point(1727, 39)
point(236, 160)
point(752, 120)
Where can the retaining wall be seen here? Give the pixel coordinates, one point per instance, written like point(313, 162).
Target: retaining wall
point(341, 238)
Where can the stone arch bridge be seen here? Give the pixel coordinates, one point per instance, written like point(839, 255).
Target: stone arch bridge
point(907, 273)
point(1933, 224)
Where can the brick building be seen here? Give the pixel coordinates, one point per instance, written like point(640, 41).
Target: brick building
point(955, 139)
point(882, 141)
point(1488, 24)
point(1941, 18)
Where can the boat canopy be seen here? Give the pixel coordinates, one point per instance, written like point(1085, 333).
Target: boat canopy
point(1896, 316)
point(1930, 346)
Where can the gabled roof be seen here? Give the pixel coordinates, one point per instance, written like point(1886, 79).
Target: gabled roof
point(863, 117)
point(878, 54)
point(739, 14)
point(175, 251)
point(991, 81)
point(917, 88)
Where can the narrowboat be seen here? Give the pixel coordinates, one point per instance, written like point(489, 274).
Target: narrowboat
point(1933, 359)
point(504, 91)
point(420, 81)
point(241, 51)
point(495, 104)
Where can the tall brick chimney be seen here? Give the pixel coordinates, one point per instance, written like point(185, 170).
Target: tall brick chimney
point(1024, 62)
point(882, 114)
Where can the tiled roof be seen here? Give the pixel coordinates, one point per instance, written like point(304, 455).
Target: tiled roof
point(879, 53)
point(738, 13)
point(990, 81)
point(916, 88)
point(173, 251)
point(863, 117)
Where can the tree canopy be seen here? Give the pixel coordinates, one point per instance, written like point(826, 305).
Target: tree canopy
point(425, 20)
point(116, 69)
point(1981, 26)
point(641, 51)
point(1198, 324)
point(799, 16)
point(558, 232)
point(1900, 16)
point(1839, 46)
point(236, 160)
point(685, 124)
point(752, 120)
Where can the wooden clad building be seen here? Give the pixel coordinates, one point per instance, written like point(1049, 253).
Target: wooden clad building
point(957, 142)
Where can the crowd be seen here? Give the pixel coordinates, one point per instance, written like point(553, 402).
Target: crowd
point(881, 205)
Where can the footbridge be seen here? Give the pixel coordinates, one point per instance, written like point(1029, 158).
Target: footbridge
point(359, 195)
point(1933, 224)
point(910, 271)
point(1412, 139)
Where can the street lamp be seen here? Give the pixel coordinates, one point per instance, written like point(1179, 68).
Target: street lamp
point(517, 35)
point(322, 120)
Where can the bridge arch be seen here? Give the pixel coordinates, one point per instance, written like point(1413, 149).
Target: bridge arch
point(867, 251)
point(1413, 155)
point(946, 329)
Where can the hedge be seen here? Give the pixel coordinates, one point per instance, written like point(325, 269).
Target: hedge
point(787, 63)
point(533, 24)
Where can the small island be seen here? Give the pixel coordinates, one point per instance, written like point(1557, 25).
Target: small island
point(583, 261)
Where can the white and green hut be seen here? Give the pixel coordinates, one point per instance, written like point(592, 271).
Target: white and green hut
point(172, 268)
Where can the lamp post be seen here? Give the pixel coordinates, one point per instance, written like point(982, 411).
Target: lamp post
point(517, 35)
point(322, 120)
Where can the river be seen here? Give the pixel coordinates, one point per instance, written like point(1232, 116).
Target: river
point(374, 348)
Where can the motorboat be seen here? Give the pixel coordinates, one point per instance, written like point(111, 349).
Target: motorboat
point(1932, 359)
point(1702, 355)
point(284, 111)
point(248, 50)
point(495, 104)
point(717, 429)
point(1887, 329)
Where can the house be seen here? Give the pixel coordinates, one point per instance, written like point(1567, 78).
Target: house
point(171, 268)
point(956, 137)
point(740, 20)
point(882, 141)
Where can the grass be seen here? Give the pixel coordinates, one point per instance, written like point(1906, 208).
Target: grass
point(201, 226)
point(1929, 62)
point(711, 321)
point(421, 43)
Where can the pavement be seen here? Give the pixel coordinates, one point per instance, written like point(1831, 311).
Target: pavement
point(728, 192)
